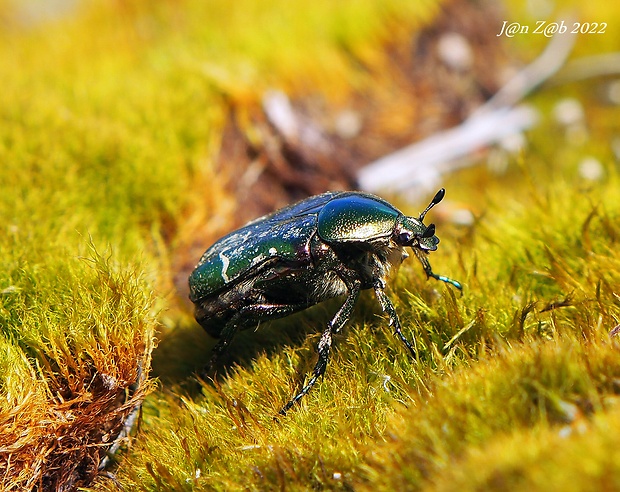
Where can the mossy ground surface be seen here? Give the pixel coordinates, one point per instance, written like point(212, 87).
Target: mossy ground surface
point(110, 127)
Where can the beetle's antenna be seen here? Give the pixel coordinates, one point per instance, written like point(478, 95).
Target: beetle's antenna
point(438, 197)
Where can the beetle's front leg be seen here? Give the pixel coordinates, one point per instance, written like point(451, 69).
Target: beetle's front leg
point(389, 309)
point(325, 343)
point(429, 271)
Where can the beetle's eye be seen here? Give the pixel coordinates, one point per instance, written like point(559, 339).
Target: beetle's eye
point(430, 231)
point(404, 237)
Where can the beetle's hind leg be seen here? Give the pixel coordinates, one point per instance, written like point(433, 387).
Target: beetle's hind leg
point(246, 316)
point(220, 347)
point(388, 308)
point(325, 343)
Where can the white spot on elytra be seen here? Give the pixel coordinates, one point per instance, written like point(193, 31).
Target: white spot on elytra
point(225, 263)
point(257, 259)
point(272, 251)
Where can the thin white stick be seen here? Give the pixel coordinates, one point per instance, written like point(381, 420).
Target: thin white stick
point(422, 163)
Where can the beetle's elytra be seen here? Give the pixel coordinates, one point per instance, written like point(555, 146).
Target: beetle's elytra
point(328, 245)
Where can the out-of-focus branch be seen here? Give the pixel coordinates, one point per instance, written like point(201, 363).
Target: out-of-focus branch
point(421, 164)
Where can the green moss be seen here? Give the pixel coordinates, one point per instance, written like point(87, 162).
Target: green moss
point(499, 366)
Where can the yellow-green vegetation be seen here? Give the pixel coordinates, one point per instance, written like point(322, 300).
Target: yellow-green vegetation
point(111, 119)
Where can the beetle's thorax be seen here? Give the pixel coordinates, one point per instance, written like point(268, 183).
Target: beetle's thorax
point(396, 254)
point(384, 263)
point(380, 263)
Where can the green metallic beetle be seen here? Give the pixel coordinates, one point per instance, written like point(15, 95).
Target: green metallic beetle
point(328, 245)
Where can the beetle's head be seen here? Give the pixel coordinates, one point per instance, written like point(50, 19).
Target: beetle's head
point(412, 232)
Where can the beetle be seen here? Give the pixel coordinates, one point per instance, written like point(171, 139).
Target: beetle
point(328, 245)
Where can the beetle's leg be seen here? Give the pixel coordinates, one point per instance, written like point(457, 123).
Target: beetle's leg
point(225, 338)
point(388, 308)
point(344, 313)
point(319, 369)
point(429, 271)
point(325, 343)
point(243, 317)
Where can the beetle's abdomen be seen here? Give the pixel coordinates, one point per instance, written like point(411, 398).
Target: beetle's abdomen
point(275, 292)
point(244, 253)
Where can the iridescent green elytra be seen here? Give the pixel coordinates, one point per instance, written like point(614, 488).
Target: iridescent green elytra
point(328, 245)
